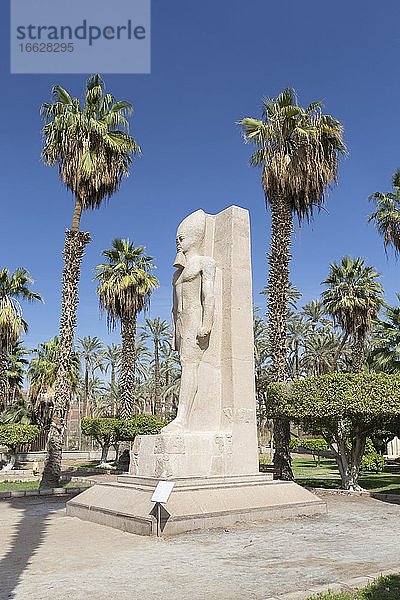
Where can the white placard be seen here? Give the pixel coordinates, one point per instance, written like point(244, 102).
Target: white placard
point(162, 491)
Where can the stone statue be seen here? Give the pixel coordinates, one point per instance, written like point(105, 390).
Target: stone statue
point(193, 310)
point(210, 451)
point(214, 432)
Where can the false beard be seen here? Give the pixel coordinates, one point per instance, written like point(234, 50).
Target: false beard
point(180, 260)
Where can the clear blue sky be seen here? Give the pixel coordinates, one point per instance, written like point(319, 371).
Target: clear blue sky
point(212, 62)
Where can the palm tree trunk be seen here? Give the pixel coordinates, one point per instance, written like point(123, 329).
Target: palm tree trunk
point(86, 390)
point(339, 350)
point(75, 242)
point(127, 372)
point(358, 351)
point(157, 386)
point(3, 380)
point(278, 285)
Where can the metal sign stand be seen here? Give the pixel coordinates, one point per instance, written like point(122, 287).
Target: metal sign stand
point(160, 496)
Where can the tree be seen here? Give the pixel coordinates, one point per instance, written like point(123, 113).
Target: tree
point(297, 149)
point(385, 343)
point(112, 357)
point(108, 432)
point(297, 330)
point(15, 372)
point(353, 298)
point(90, 350)
point(12, 436)
point(13, 288)
point(124, 289)
point(160, 333)
point(386, 217)
point(314, 312)
point(42, 375)
point(93, 151)
point(344, 408)
point(104, 431)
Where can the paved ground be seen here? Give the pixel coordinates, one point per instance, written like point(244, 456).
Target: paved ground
point(46, 555)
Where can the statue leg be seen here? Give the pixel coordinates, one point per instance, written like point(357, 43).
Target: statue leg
point(187, 394)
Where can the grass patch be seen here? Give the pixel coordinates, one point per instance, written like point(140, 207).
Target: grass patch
point(326, 475)
point(384, 588)
point(13, 486)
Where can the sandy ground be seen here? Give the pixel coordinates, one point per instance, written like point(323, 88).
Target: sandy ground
point(46, 555)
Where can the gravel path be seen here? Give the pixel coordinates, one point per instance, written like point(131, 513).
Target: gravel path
point(46, 555)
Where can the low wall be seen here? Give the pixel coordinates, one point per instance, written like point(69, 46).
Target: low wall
point(69, 458)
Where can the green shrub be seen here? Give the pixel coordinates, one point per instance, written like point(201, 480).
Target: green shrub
point(99, 427)
point(139, 425)
point(294, 443)
point(372, 461)
point(16, 434)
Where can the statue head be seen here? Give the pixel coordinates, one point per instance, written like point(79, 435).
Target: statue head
point(190, 235)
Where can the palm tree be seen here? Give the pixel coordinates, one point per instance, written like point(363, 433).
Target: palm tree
point(89, 352)
point(160, 334)
point(353, 299)
point(385, 343)
point(93, 150)
point(124, 289)
point(314, 312)
point(297, 330)
point(13, 287)
point(387, 214)
point(42, 376)
point(15, 372)
point(293, 294)
point(298, 150)
point(170, 371)
point(112, 357)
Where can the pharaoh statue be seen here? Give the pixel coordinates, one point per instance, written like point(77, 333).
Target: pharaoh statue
point(193, 311)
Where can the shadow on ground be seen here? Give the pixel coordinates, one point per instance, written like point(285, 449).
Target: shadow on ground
point(27, 537)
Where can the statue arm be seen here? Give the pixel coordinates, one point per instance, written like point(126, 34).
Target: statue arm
point(174, 309)
point(207, 296)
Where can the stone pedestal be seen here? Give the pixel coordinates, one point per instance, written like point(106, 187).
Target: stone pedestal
point(195, 503)
point(203, 454)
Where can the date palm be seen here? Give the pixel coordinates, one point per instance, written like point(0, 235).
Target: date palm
point(89, 351)
point(387, 215)
point(42, 375)
point(297, 330)
point(298, 150)
point(124, 288)
point(91, 146)
point(112, 358)
point(13, 288)
point(385, 343)
point(353, 298)
point(15, 371)
point(160, 333)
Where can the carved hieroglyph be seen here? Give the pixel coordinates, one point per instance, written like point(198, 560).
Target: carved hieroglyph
point(214, 432)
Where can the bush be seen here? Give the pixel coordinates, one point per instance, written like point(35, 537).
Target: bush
point(139, 425)
point(372, 461)
point(99, 427)
point(15, 434)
